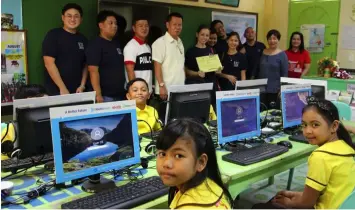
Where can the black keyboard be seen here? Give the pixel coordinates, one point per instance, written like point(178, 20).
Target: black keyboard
point(255, 154)
point(235, 147)
point(123, 197)
point(15, 164)
point(149, 135)
point(298, 138)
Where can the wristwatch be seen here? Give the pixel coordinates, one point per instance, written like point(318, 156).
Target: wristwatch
point(161, 84)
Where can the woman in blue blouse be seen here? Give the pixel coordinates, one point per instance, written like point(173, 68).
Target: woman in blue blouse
point(273, 66)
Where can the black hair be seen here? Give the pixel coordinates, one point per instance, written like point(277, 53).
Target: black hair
point(273, 32)
point(329, 113)
point(301, 47)
point(73, 6)
point(121, 23)
point(201, 27)
point(174, 14)
point(198, 133)
point(214, 23)
point(245, 31)
point(213, 31)
point(130, 83)
point(233, 33)
point(30, 91)
point(102, 16)
point(138, 18)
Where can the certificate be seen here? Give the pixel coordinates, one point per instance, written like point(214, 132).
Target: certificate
point(209, 63)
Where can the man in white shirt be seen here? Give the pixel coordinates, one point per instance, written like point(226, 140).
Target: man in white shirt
point(138, 55)
point(169, 59)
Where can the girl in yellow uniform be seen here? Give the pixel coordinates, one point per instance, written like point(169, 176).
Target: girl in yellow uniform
point(186, 161)
point(331, 167)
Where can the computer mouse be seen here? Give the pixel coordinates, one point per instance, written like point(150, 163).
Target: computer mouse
point(285, 144)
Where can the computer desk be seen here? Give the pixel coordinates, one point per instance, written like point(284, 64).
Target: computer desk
point(238, 178)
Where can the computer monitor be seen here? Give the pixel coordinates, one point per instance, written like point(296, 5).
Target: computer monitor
point(293, 100)
point(33, 121)
point(191, 101)
point(92, 139)
point(319, 87)
point(238, 115)
point(260, 84)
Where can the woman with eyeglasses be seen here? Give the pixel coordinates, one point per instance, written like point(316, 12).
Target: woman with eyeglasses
point(63, 52)
point(299, 60)
point(234, 63)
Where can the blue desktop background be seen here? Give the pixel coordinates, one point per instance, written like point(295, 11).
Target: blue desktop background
point(294, 104)
point(238, 117)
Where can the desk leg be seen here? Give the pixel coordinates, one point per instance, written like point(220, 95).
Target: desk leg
point(271, 180)
point(290, 176)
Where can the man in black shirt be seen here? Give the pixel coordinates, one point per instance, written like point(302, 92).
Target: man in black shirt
point(254, 50)
point(221, 45)
point(105, 60)
point(64, 55)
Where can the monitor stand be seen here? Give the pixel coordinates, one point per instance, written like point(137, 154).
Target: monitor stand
point(96, 184)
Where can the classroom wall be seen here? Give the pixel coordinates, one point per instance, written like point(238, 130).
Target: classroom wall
point(255, 6)
point(347, 11)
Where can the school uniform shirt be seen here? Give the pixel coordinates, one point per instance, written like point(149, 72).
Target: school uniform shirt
point(232, 65)
point(170, 53)
point(149, 115)
point(296, 62)
point(191, 63)
point(138, 53)
point(10, 136)
point(107, 55)
point(253, 54)
point(207, 195)
point(68, 50)
point(273, 67)
point(331, 171)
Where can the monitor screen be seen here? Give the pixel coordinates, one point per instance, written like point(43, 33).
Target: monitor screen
point(318, 91)
point(238, 115)
point(192, 101)
point(34, 129)
point(88, 144)
point(293, 102)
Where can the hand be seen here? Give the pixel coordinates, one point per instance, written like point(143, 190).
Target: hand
point(64, 91)
point(282, 201)
point(163, 93)
point(80, 89)
point(201, 74)
point(350, 129)
point(232, 79)
point(99, 99)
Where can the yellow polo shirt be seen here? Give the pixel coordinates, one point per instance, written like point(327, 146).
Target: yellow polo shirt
point(147, 114)
point(9, 136)
point(331, 171)
point(207, 195)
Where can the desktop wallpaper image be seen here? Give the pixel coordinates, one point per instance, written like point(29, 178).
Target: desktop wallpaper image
point(96, 141)
point(238, 117)
point(294, 103)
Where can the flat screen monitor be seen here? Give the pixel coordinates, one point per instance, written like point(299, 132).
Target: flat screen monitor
point(319, 87)
point(92, 139)
point(238, 115)
point(33, 121)
point(293, 100)
point(260, 84)
point(192, 101)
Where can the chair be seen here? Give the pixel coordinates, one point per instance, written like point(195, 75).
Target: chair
point(343, 109)
point(349, 202)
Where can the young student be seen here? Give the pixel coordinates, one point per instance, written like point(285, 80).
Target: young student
point(137, 89)
point(331, 167)
point(234, 62)
point(187, 162)
point(138, 55)
point(63, 52)
point(213, 38)
point(25, 91)
point(105, 60)
point(299, 60)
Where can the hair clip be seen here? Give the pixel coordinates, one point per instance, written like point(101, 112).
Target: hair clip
point(312, 100)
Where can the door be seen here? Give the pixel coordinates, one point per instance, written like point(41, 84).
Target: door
point(316, 12)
